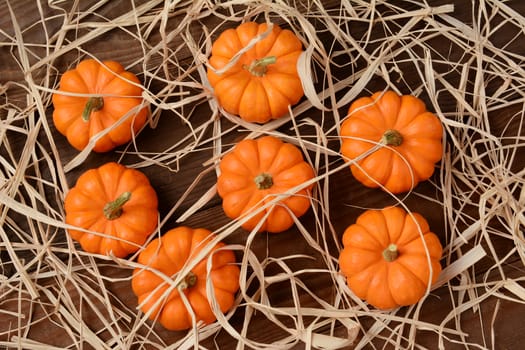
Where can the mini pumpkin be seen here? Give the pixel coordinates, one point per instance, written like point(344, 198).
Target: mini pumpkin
point(168, 255)
point(264, 81)
point(257, 171)
point(117, 204)
point(385, 258)
point(104, 93)
point(411, 137)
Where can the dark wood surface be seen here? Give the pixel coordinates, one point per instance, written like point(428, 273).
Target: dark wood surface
point(494, 323)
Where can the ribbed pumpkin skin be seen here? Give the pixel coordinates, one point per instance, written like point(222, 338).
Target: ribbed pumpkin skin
point(120, 92)
point(399, 168)
point(241, 92)
point(389, 284)
point(169, 254)
point(237, 186)
point(84, 206)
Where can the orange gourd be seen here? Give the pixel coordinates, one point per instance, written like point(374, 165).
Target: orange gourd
point(118, 204)
point(104, 94)
point(384, 258)
point(410, 137)
point(264, 81)
point(257, 171)
point(169, 255)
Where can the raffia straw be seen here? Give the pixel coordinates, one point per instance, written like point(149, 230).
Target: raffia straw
point(47, 271)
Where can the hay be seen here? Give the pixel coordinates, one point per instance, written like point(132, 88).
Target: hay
point(47, 281)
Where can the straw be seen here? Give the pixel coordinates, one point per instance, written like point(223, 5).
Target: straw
point(464, 71)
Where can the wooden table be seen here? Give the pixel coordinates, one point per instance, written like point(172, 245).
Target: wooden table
point(54, 295)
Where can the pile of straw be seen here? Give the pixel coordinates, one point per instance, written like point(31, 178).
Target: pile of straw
point(470, 72)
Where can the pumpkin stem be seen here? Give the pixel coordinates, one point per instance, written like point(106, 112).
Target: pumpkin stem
point(392, 137)
point(391, 253)
point(113, 210)
point(259, 67)
point(189, 281)
point(93, 104)
point(263, 181)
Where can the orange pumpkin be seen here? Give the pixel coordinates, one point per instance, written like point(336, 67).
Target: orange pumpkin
point(384, 259)
point(108, 93)
point(264, 81)
point(254, 173)
point(411, 137)
point(168, 255)
point(117, 204)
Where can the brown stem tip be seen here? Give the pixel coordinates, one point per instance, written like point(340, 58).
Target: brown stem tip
point(189, 281)
point(392, 137)
point(263, 181)
point(390, 253)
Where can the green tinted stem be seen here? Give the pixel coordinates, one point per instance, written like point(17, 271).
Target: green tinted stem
point(93, 104)
point(113, 210)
